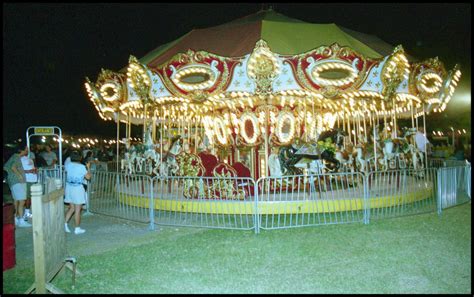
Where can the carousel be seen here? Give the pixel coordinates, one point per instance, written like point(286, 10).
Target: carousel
point(271, 96)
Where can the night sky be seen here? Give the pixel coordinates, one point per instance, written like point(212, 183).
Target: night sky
point(49, 49)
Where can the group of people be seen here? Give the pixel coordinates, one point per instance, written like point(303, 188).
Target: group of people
point(22, 174)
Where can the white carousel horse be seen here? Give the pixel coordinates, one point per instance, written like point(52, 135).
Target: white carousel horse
point(171, 163)
point(124, 162)
point(274, 165)
point(362, 162)
point(151, 157)
point(388, 154)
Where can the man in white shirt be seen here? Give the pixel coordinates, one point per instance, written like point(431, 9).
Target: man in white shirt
point(421, 140)
point(31, 179)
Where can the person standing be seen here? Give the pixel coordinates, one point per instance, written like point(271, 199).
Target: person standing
point(75, 193)
point(31, 179)
point(421, 140)
point(17, 183)
point(49, 156)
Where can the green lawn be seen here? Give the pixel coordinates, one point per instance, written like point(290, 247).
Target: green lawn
point(417, 254)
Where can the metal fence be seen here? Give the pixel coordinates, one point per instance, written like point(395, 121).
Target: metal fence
point(294, 201)
point(44, 174)
point(454, 186)
point(277, 202)
point(397, 193)
point(440, 162)
point(205, 202)
point(120, 195)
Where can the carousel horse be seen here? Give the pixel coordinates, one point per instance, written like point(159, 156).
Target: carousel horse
point(415, 156)
point(288, 159)
point(152, 161)
point(336, 137)
point(345, 158)
point(274, 165)
point(396, 149)
point(140, 161)
point(175, 149)
point(291, 155)
point(124, 163)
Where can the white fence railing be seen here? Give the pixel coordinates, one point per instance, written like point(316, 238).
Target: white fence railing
point(277, 202)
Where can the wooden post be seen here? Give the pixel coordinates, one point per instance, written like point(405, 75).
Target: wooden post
point(38, 239)
point(49, 239)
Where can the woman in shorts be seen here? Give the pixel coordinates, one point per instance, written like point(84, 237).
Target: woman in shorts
point(75, 193)
point(17, 183)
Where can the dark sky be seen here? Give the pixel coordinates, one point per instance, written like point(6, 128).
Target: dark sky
point(48, 49)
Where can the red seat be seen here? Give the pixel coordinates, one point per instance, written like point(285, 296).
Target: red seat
point(209, 161)
point(244, 171)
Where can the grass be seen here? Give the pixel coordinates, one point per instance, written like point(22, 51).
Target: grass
point(418, 254)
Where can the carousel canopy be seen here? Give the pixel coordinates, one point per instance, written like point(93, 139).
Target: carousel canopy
point(267, 69)
point(284, 35)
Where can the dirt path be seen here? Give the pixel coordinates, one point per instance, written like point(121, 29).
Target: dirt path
point(102, 234)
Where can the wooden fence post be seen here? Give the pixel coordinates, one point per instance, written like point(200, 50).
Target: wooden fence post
point(38, 238)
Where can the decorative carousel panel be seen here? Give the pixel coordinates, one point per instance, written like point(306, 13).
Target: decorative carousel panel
point(111, 90)
point(373, 82)
point(131, 93)
point(330, 72)
point(221, 131)
point(429, 82)
point(263, 66)
point(448, 88)
point(138, 77)
point(285, 127)
point(403, 86)
point(240, 81)
point(158, 89)
point(249, 128)
point(286, 80)
point(195, 76)
point(197, 72)
point(330, 69)
point(396, 69)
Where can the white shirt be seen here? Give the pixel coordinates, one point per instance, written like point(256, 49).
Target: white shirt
point(68, 160)
point(28, 164)
point(75, 173)
point(421, 141)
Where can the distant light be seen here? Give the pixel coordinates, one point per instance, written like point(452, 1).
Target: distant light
point(464, 97)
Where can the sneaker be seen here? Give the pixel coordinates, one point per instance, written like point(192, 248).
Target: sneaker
point(66, 228)
point(16, 221)
point(23, 223)
point(78, 230)
point(27, 214)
